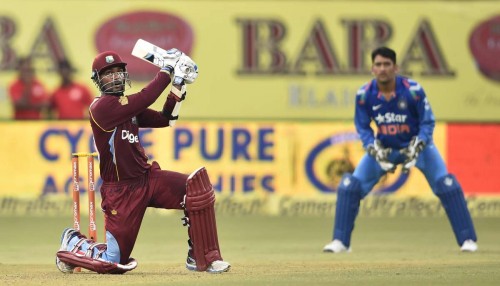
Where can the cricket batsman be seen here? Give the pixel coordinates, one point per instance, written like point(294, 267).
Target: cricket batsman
point(405, 123)
point(130, 183)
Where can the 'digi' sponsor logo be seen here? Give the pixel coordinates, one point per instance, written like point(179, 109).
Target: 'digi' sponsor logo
point(127, 135)
point(391, 123)
point(326, 176)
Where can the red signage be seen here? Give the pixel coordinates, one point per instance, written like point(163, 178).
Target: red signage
point(485, 47)
point(474, 157)
point(162, 29)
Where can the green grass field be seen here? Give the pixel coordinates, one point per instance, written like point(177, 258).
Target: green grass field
point(268, 251)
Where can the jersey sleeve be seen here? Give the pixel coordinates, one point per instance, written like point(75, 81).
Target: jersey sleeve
point(424, 111)
point(110, 113)
point(152, 119)
point(362, 119)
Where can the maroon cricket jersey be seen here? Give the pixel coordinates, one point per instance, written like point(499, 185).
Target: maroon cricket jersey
point(115, 122)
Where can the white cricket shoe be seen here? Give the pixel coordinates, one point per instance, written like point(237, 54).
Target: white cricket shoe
point(469, 246)
point(66, 236)
point(218, 266)
point(336, 246)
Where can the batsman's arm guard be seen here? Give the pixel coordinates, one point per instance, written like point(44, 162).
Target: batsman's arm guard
point(199, 206)
point(172, 106)
point(79, 259)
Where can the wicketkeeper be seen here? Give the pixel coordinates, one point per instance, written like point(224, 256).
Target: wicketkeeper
point(398, 106)
point(130, 183)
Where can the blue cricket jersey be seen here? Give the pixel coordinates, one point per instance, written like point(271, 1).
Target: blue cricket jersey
point(405, 115)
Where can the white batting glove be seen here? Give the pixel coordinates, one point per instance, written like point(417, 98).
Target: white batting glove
point(381, 154)
point(167, 61)
point(185, 70)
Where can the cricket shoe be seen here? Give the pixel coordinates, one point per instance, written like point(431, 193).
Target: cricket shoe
point(218, 266)
point(190, 262)
point(469, 246)
point(336, 246)
point(66, 236)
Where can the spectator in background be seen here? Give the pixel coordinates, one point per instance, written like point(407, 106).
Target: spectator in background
point(29, 97)
point(70, 100)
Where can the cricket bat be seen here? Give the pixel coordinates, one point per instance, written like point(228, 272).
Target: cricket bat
point(148, 52)
point(154, 55)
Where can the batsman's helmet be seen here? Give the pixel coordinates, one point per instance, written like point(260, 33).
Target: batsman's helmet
point(104, 61)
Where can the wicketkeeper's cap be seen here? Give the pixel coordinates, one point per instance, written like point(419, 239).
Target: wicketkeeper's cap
point(106, 60)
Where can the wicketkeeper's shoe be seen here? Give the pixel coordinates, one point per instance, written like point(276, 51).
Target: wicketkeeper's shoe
point(66, 236)
point(336, 246)
point(218, 266)
point(469, 246)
